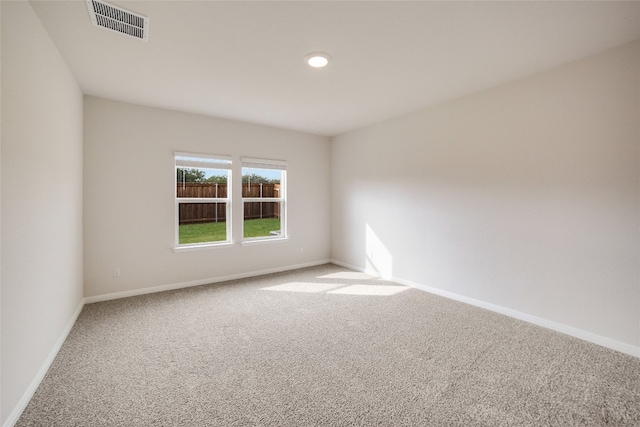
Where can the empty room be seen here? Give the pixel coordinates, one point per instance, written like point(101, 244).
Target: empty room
point(319, 213)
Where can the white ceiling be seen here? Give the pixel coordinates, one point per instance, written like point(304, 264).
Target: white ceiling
point(244, 60)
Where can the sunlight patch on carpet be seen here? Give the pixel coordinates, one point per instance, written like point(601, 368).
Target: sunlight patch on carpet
point(308, 287)
point(376, 290)
point(348, 275)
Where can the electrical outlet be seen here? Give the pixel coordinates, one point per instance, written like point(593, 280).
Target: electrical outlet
point(116, 272)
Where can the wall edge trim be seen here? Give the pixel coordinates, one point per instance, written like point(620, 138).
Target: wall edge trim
point(539, 321)
point(200, 282)
point(35, 383)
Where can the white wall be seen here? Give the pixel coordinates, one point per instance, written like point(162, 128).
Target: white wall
point(525, 196)
point(41, 204)
point(129, 195)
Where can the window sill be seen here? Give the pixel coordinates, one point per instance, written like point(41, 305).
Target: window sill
point(259, 241)
point(201, 247)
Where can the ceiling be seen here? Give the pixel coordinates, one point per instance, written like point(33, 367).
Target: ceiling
point(245, 60)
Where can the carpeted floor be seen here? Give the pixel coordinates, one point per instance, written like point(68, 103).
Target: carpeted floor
point(325, 346)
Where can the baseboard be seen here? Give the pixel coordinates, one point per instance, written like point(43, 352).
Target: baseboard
point(349, 266)
point(539, 321)
point(568, 330)
point(26, 397)
point(200, 282)
point(28, 394)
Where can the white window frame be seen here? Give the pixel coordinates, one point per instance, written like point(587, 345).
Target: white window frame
point(281, 165)
point(203, 161)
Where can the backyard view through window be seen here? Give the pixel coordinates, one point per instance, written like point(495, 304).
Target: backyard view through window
point(263, 199)
point(203, 202)
point(204, 205)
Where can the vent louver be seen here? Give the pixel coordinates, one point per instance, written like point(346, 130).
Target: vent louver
point(118, 19)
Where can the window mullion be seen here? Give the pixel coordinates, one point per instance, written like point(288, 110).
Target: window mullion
point(202, 200)
point(262, 199)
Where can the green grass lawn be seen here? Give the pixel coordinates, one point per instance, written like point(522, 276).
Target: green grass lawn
point(217, 231)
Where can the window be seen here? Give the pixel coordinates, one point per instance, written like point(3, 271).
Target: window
point(264, 199)
point(203, 199)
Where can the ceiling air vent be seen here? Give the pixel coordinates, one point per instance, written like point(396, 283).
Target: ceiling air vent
point(118, 19)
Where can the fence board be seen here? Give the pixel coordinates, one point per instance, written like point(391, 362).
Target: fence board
point(194, 213)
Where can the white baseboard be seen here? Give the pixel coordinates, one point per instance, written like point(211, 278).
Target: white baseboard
point(200, 282)
point(568, 330)
point(24, 401)
point(28, 394)
point(549, 324)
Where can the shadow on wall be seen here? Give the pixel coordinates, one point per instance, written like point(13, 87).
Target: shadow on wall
point(378, 259)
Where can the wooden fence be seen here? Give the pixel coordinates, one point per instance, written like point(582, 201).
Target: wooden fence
point(193, 213)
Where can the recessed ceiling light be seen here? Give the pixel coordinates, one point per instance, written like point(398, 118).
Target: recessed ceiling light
point(317, 59)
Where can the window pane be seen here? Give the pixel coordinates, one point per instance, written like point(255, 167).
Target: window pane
point(261, 182)
point(202, 222)
point(201, 182)
point(262, 219)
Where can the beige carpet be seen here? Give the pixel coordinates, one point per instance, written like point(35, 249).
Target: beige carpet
point(325, 346)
